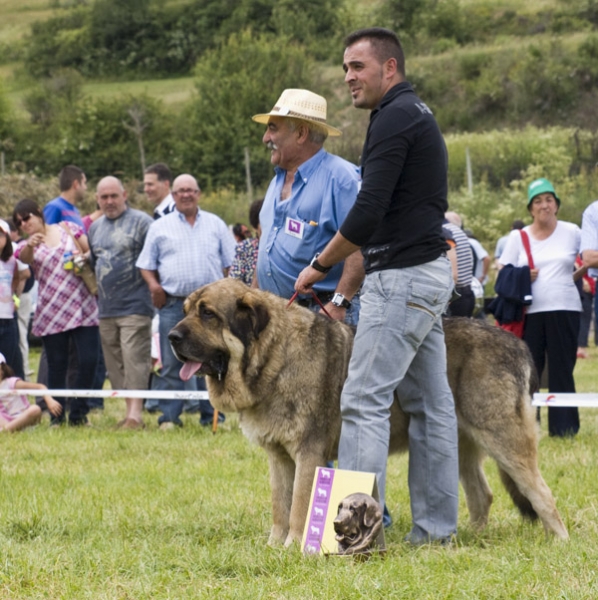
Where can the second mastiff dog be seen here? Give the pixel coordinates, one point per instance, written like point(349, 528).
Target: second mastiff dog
point(282, 369)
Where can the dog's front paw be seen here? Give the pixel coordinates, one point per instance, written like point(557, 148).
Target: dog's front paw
point(292, 538)
point(277, 536)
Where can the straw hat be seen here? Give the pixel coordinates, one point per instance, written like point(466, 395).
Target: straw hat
point(300, 104)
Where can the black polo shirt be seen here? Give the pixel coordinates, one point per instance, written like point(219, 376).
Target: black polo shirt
point(397, 217)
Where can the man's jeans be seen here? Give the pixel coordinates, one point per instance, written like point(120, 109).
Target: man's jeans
point(399, 345)
point(170, 314)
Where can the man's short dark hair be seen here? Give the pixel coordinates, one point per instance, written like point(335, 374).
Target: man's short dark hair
point(161, 171)
point(518, 224)
point(385, 44)
point(68, 175)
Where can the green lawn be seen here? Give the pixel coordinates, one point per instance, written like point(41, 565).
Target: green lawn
point(102, 514)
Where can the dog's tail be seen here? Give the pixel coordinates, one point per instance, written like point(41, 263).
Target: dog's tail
point(521, 502)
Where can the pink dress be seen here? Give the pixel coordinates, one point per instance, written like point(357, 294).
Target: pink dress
point(11, 406)
point(64, 302)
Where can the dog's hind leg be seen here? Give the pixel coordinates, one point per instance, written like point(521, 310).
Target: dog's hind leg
point(282, 475)
point(478, 494)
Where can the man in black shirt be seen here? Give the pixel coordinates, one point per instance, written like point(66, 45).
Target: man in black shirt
point(397, 222)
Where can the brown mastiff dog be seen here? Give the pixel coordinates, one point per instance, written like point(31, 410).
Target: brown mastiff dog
point(282, 369)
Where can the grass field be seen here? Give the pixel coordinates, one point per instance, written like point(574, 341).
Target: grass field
point(103, 514)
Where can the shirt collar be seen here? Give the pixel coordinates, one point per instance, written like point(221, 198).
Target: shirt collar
point(182, 217)
point(307, 169)
point(67, 202)
point(392, 93)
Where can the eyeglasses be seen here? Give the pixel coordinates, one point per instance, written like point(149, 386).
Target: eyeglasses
point(185, 192)
point(24, 219)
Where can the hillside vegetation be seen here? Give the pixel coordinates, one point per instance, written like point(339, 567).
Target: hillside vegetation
point(87, 81)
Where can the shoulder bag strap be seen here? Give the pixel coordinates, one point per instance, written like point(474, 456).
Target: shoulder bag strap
point(75, 241)
point(528, 251)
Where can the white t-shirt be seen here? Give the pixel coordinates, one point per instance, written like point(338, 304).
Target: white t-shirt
point(554, 258)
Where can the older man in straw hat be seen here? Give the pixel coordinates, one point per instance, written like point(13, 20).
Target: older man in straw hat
point(309, 197)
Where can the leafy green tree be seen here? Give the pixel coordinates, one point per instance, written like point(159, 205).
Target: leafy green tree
point(57, 42)
point(243, 77)
point(67, 128)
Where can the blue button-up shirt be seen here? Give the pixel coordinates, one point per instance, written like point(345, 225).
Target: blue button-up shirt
point(293, 230)
point(589, 232)
point(187, 257)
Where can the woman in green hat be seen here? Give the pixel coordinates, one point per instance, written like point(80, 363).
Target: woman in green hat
point(552, 320)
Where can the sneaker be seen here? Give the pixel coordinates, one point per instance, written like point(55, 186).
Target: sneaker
point(166, 426)
point(422, 541)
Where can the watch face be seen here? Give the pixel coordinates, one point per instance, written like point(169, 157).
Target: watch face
point(340, 301)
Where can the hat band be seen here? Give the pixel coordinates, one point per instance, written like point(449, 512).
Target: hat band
point(291, 113)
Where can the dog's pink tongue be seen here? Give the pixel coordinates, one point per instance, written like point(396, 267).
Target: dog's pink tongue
point(189, 369)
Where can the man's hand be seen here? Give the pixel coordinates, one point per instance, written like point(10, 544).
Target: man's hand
point(158, 296)
point(306, 280)
point(336, 312)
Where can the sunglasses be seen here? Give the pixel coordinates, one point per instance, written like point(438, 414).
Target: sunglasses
point(24, 219)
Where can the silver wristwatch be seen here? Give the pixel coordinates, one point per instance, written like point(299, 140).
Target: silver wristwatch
point(340, 301)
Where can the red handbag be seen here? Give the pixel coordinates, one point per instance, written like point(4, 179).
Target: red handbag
point(516, 327)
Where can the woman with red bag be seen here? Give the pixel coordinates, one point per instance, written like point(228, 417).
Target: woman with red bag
point(552, 320)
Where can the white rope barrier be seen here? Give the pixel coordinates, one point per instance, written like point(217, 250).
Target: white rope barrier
point(149, 394)
point(551, 399)
point(562, 399)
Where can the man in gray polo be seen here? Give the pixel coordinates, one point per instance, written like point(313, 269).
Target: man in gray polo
point(116, 240)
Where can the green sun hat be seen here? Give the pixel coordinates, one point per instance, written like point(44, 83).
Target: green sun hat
point(540, 186)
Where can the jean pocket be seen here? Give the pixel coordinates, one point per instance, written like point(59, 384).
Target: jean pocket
point(427, 298)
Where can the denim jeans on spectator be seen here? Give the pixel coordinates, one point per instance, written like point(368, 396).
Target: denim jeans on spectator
point(170, 314)
point(9, 345)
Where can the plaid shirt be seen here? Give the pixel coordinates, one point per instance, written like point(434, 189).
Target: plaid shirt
point(187, 257)
point(63, 302)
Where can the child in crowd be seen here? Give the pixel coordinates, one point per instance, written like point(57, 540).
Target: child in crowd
point(15, 411)
point(9, 327)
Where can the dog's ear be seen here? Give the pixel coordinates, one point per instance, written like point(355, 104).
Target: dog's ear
point(192, 301)
point(249, 320)
point(371, 513)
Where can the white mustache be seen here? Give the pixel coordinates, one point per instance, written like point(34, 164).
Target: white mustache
point(271, 146)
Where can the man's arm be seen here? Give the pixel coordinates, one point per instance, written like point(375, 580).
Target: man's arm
point(590, 258)
point(153, 283)
point(339, 248)
point(348, 285)
point(485, 268)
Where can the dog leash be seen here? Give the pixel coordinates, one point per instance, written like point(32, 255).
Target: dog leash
point(315, 296)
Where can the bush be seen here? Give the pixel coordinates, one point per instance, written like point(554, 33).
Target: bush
point(545, 83)
point(243, 77)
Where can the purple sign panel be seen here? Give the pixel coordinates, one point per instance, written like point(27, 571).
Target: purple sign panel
point(319, 510)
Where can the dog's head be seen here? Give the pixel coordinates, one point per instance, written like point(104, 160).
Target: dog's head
point(357, 523)
point(222, 320)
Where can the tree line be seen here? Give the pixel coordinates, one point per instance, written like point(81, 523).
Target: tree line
point(543, 80)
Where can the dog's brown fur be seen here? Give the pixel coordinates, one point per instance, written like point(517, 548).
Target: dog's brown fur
point(282, 369)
